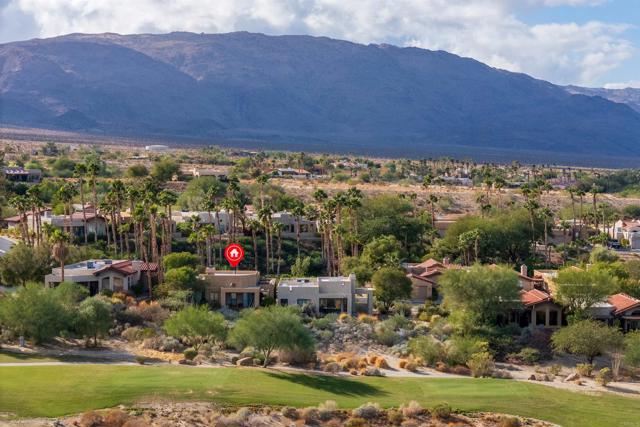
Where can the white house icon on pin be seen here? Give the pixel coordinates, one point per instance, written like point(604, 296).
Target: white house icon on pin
point(234, 253)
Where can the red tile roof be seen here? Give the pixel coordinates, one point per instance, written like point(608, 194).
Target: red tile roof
point(623, 302)
point(422, 279)
point(126, 267)
point(533, 297)
point(430, 263)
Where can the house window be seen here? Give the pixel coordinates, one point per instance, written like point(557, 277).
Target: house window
point(553, 318)
point(541, 318)
point(333, 305)
point(284, 301)
point(303, 301)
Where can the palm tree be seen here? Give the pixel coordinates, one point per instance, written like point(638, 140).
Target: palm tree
point(433, 199)
point(34, 194)
point(167, 199)
point(255, 225)
point(79, 171)
point(93, 168)
point(580, 193)
point(547, 214)
point(354, 202)
point(21, 204)
point(277, 229)
point(65, 195)
point(60, 249)
point(262, 181)
point(594, 190)
point(572, 194)
point(264, 216)
point(298, 211)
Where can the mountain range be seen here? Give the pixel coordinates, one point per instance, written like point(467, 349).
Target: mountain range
point(311, 93)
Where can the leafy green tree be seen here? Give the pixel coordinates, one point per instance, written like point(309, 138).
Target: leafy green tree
point(389, 285)
point(588, 338)
point(383, 251)
point(164, 169)
point(301, 266)
point(579, 290)
point(137, 171)
point(601, 254)
point(269, 329)
point(181, 278)
point(484, 292)
point(196, 326)
point(34, 312)
point(356, 266)
point(94, 318)
point(632, 349)
point(199, 191)
point(181, 259)
point(22, 264)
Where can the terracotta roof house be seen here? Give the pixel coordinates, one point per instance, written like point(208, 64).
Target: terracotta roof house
point(99, 274)
point(539, 310)
point(627, 230)
point(424, 278)
point(627, 309)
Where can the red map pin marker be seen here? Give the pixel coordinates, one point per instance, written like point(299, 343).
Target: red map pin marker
point(234, 254)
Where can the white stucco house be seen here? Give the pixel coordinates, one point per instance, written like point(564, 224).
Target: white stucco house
point(326, 294)
point(627, 230)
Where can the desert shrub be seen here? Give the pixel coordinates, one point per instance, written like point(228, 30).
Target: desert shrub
point(501, 374)
point(427, 348)
point(411, 423)
point(91, 419)
point(310, 415)
point(481, 364)
point(325, 322)
point(555, 369)
point(459, 349)
point(332, 367)
point(381, 363)
point(327, 410)
point(141, 360)
point(371, 372)
point(297, 356)
point(528, 356)
point(411, 366)
point(355, 422)
point(604, 376)
point(402, 363)
point(585, 369)
point(441, 411)
point(367, 411)
point(459, 370)
point(395, 417)
point(290, 412)
point(402, 308)
point(386, 335)
point(397, 322)
point(169, 344)
point(509, 422)
point(115, 418)
point(133, 334)
point(149, 312)
point(367, 319)
point(412, 409)
point(190, 353)
point(344, 317)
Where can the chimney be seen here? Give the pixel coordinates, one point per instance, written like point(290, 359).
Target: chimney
point(523, 269)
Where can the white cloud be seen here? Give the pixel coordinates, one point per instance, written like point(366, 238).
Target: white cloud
point(487, 30)
point(634, 84)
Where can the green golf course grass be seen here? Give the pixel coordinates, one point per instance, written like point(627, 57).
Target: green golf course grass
point(12, 357)
point(49, 391)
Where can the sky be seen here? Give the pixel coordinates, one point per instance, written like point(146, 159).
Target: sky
point(584, 42)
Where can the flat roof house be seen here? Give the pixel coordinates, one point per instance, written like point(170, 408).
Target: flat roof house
point(235, 290)
point(19, 174)
point(326, 294)
point(99, 274)
point(308, 228)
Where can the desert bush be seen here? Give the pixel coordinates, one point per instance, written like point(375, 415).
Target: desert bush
point(325, 322)
point(459, 370)
point(441, 411)
point(190, 353)
point(141, 360)
point(394, 417)
point(327, 410)
point(367, 319)
point(149, 312)
point(509, 422)
point(90, 419)
point(372, 358)
point(297, 356)
point(132, 334)
point(604, 376)
point(585, 369)
point(367, 411)
point(459, 349)
point(381, 363)
point(402, 308)
point(344, 317)
point(427, 348)
point(170, 344)
point(115, 418)
point(397, 322)
point(527, 355)
point(402, 363)
point(310, 415)
point(411, 366)
point(332, 367)
point(501, 374)
point(412, 409)
point(371, 372)
point(355, 422)
point(411, 423)
point(385, 334)
point(290, 412)
point(481, 364)
point(555, 369)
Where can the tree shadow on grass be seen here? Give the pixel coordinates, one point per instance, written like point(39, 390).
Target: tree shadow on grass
point(336, 385)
